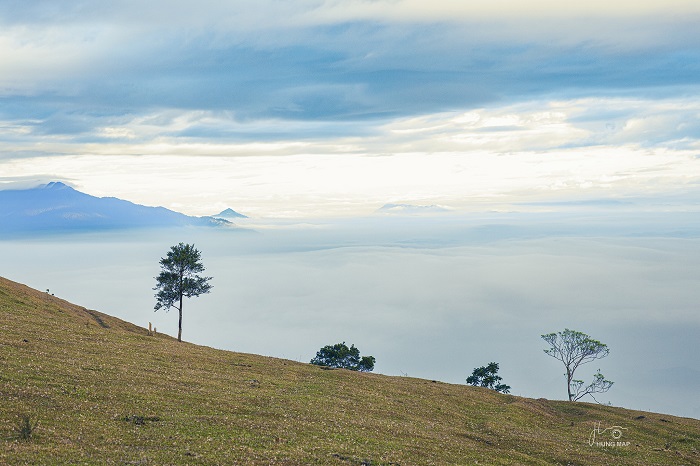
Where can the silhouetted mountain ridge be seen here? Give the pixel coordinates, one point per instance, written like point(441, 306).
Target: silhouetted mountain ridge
point(58, 207)
point(410, 209)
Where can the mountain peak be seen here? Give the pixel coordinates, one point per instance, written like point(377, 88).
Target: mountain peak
point(55, 185)
point(230, 213)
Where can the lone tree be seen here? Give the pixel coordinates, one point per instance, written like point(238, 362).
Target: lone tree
point(486, 377)
point(573, 349)
point(342, 357)
point(179, 279)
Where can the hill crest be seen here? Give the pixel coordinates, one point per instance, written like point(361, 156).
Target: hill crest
point(105, 391)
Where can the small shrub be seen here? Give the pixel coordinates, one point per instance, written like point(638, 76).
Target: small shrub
point(25, 428)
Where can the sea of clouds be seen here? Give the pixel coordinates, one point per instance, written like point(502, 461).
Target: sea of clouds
point(429, 296)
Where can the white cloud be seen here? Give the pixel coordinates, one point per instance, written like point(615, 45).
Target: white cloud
point(480, 159)
point(40, 44)
point(419, 10)
point(308, 185)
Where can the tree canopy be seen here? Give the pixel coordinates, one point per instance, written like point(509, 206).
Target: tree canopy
point(575, 348)
point(486, 376)
point(340, 356)
point(179, 278)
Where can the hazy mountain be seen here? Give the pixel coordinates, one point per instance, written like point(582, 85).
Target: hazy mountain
point(58, 207)
point(229, 213)
point(411, 209)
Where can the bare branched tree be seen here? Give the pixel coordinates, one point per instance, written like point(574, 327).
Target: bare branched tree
point(574, 348)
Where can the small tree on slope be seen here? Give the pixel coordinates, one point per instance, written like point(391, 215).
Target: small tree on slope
point(179, 279)
point(486, 377)
point(340, 356)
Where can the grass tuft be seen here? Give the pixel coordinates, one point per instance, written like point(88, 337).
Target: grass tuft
point(140, 420)
point(25, 428)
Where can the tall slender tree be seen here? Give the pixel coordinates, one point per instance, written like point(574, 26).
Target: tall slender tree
point(179, 278)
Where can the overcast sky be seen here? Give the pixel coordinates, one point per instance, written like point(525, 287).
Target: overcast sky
point(312, 107)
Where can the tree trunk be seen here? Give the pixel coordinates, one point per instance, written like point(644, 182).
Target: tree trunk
point(179, 325)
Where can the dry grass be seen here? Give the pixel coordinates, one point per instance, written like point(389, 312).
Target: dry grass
point(104, 392)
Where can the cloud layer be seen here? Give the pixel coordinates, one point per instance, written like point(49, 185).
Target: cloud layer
point(70, 69)
point(428, 297)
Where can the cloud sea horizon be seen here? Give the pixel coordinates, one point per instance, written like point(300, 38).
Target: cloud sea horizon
point(429, 296)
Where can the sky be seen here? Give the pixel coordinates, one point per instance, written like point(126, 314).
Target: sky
point(312, 108)
point(560, 142)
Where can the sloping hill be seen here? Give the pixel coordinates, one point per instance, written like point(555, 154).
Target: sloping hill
point(105, 392)
point(58, 207)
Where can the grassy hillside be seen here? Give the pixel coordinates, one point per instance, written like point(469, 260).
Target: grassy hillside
point(104, 392)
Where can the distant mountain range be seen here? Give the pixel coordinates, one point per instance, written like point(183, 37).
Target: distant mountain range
point(58, 207)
